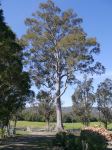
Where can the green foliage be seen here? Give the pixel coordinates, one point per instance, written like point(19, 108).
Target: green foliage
point(104, 101)
point(83, 100)
point(46, 108)
point(94, 140)
point(93, 119)
point(68, 118)
point(14, 82)
point(68, 141)
point(34, 114)
point(30, 114)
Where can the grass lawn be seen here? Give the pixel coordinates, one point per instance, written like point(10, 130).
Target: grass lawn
point(66, 125)
point(31, 124)
point(78, 125)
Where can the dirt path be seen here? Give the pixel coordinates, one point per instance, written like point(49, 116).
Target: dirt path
point(33, 141)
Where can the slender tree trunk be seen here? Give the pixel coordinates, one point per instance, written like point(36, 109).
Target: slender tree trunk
point(2, 131)
point(105, 124)
point(8, 128)
point(14, 130)
point(99, 118)
point(7, 124)
point(48, 124)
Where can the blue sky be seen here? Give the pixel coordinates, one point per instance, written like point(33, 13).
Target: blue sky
point(97, 22)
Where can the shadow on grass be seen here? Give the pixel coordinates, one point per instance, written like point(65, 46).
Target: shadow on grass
point(30, 142)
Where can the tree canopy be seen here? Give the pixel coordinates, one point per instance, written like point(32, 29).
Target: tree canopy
point(83, 100)
point(104, 100)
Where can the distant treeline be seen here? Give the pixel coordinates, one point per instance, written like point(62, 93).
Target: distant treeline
point(31, 114)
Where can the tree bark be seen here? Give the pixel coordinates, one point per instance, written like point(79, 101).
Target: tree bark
point(99, 118)
point(47, 124)
point(105, 124)
point(59, 126)
point(14, 129)
point(8, 129)
point(2, 131)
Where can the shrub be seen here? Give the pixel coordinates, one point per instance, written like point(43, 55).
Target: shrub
point(95, 138)
point(68, 141)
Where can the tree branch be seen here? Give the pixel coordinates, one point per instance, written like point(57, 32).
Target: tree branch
point(65, 87)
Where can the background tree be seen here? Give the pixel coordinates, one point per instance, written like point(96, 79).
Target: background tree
point(104, 100)
point(57, 47)
point(14, 82)
point(69, 117)
point(45, 105)
point(83, 100)
point(30, 114)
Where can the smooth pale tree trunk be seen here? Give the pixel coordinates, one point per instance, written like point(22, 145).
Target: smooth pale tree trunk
point(59, 126)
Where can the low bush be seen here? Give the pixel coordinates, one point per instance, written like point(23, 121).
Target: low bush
point(94, 138)
point(68, 141)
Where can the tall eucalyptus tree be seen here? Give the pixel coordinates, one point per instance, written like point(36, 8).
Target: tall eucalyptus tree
point(57, 47)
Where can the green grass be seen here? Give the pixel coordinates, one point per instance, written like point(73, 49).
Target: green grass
point(66, 125)
point(73, 125)
point(80, 125)
point(31, 124)
point(21, 132)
